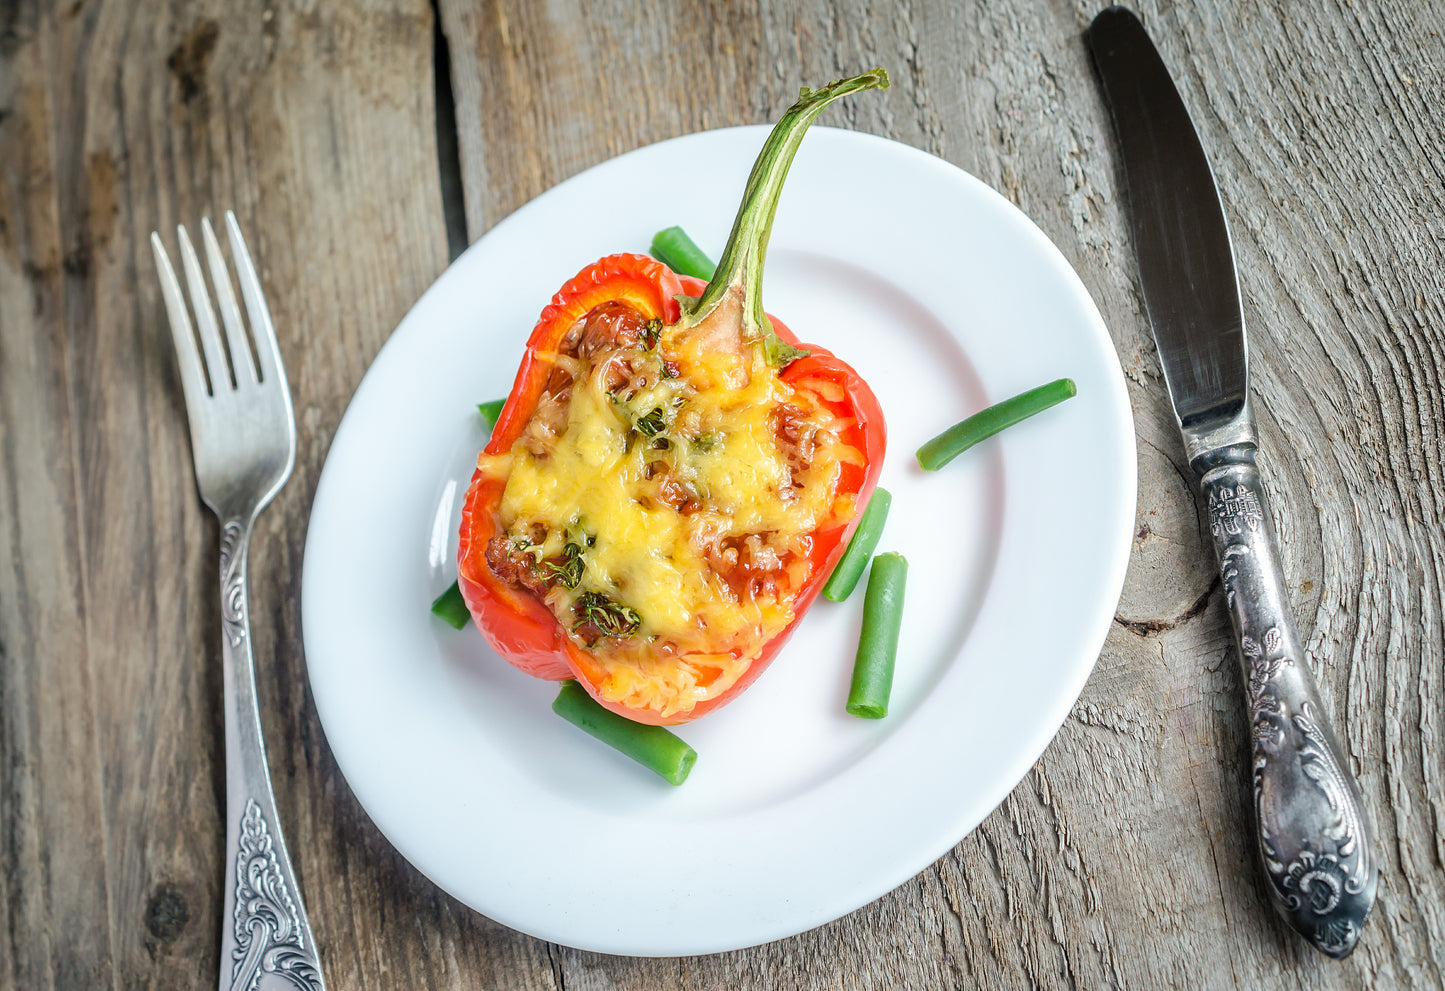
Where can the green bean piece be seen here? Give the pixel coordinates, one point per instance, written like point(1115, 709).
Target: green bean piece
point(878, 641)
point(490, 411)
point(855, 559)
point(654, 747)
point(677, 251)
point(450, 607)
point(961, 436)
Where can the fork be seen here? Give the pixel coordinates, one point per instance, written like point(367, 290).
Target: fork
point(243, 443)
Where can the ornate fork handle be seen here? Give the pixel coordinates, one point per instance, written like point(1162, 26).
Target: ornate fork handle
point(1314, 836)
point(264, 928)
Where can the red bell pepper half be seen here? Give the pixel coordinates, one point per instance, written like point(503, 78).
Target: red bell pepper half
point(633, 294)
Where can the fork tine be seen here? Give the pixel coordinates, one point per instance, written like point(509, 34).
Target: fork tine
point(268, 352)
point(188, 359)
point(216, 368)
point(245, 371)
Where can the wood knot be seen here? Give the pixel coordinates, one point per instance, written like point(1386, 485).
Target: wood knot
point(167, 913)
point(77, 261)
point(188, 59)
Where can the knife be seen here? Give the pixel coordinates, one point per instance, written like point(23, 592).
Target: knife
point(1314, 838)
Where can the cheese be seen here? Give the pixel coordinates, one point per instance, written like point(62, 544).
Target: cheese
point(610, 481)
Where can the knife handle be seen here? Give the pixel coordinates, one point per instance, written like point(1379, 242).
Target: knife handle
point(1313, 834)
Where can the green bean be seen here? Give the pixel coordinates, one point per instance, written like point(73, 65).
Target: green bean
point(490, 411)
point(450, 607)
point(850, 566)
point(878, 641)
point(961, 436)
point(677, 251)
point(654, 747)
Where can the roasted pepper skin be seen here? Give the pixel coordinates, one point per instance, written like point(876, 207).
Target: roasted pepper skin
point(519, 626)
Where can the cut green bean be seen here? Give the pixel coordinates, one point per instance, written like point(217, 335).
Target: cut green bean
point(677, 251)
point(450, 607)
point(855, 559)
point(654, 747)
point(878, 641)
point(490, 411)
point(961, 436)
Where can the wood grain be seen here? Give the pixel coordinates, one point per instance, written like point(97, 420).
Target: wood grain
point(1121, 860)
point(57, 929)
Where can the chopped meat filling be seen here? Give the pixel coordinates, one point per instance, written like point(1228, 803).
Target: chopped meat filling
point(514, 565)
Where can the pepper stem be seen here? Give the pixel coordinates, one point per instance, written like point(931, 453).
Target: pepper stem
point(742, 259)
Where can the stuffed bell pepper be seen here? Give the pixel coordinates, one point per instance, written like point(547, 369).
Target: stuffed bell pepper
point(673, 475)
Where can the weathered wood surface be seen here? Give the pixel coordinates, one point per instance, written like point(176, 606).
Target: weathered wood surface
point(1123, 859)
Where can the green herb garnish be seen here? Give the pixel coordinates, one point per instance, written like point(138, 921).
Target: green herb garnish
point(568, 569)
point(612, 618)
point(651, 423)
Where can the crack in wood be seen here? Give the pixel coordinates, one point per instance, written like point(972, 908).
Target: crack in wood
point(1147, 627)
point(449, 160)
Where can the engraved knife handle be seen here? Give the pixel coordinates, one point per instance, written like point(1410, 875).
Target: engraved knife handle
point(263, 922)
point(1314, 837)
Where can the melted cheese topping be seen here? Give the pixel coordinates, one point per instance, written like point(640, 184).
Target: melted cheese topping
point(665, 486)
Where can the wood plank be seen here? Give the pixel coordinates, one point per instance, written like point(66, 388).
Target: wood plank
point(318, 130)
point(1125, 857)
point(53, 919)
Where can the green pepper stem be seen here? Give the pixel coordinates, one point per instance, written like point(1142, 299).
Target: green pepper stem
point(747, 247)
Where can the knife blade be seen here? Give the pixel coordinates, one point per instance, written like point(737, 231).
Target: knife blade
point(1314, 838)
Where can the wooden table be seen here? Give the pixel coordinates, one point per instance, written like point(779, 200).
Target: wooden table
point(362, 144)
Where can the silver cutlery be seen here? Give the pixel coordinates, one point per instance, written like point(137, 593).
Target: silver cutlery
point(1314, 837)
point(243, 443)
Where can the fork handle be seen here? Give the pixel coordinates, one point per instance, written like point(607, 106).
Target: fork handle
point(263, 922)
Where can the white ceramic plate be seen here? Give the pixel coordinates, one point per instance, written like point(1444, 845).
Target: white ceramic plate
point(946, 298)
